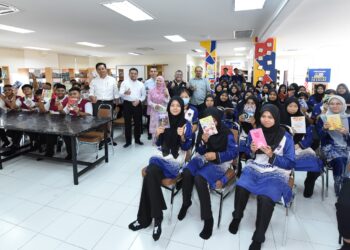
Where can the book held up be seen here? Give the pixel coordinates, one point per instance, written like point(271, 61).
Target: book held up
point(208, 125)
point(258, 137)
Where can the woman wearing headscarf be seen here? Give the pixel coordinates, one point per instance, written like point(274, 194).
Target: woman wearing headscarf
point(235, 94)
point(282, 93)
point(335, 144)
point(343, 91)
point(218, 89)
point(317, 96)
point(157, 100)
point(214, 156)
point(173, 142)
point(265, 93)
point(240, 105)
point(266, 175)
point(305, 156)
point(273, 98)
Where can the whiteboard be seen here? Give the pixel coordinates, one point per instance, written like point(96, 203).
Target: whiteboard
point(140, 68)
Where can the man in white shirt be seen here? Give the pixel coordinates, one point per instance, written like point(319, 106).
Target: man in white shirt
point(149, 85)
point(103, 89)
point(133, 93)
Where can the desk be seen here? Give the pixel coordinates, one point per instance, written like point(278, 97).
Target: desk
point(64, 125)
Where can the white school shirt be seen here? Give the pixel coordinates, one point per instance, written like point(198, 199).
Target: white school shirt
point(88, 108)
point(138, 90)
point(105, 89)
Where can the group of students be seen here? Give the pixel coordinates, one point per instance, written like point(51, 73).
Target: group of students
point(267, 170)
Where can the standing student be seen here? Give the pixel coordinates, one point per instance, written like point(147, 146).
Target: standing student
point(238, 78)
point(157, 101)
point(266, 175)
point(173, 142)
point(103, 88)
point(149, 85)
point(133, 93)
point(214, 156)
point(335, 144)
point(200, 87)
point(225, 76)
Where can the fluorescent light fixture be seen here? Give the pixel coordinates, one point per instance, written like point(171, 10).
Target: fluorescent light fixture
point(90, 44)
point(239, 54)
point(36, 48)
point(175, 38)
point(240, 49)
point(241, 5)
point(198, 50)
point(15, 29)
point(128, 10)
point(134, 53)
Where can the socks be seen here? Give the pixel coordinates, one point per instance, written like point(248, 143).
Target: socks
point(157, 231)
point(183, 211)
point(207, 229)
point(255, 246)
point(233, 228)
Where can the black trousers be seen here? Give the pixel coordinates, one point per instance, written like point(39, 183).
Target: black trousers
point(343, 208)
point(264, 212)
point(51, 141)
point(15, 136)
point(187, 187)
point(3, 136)
point(132, 113)
point(98, 103)
point(152, 202)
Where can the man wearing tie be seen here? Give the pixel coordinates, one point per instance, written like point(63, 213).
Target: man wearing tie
point(133, 93)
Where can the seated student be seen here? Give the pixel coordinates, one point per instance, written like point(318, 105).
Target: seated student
point(322, 107)
point(235, 95)
point(241, 104)
point(191, 112)
point(7, 103)
point(214, 156)
point(218, 89)
point(305, 156)
point(28, 101)
point(344, 92)
point(223, 103)
point(265, 93)
point(266, 175)
point(273, 98)
point(173, 143)
point(282, 93)
point(317, 96)
point(335, 144)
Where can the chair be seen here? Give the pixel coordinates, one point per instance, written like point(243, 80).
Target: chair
point(96, 137)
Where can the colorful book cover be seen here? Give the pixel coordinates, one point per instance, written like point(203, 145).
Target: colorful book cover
point(208, 125)
point(334, 121)
point(163, 120)
point(47, 94)
point(258, 137)
point(72, 103)
point(248, 112)
point(298, 124)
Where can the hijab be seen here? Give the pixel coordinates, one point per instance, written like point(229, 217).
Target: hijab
point(171, 140)
point(286, 117)
point(276, 102)
point(245, 125)
point(346, 95)
point(274, 134)
point(157, 93)
point(217, 142)
point(319, 97)
point(217, 92)
point(225, 104)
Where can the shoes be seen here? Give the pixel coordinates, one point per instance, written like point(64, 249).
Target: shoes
point(127, 144)
point(207, 229)
point(68, 157)
point(157, 230)
point(255, 246)
point(183, 212)
point(149, 137)
point(139, 142)
point(233, 228)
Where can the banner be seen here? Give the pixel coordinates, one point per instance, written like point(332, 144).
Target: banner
point(210, 59)
point(319, 75)
point(265, 61)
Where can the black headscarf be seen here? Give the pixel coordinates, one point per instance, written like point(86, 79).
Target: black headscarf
point(275, 134)
point(170, 139)
point(346, 95)
point(204, 104)
point(276, 102)
point(218, 142)
point(225, 104)
point(237, 94)
point(217, 92)
point(245, 125)
point(319, 97)
point(286, 118)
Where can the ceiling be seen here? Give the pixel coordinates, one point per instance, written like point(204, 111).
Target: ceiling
point(58, 25)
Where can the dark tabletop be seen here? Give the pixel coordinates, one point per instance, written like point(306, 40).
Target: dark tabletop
point(49, 123)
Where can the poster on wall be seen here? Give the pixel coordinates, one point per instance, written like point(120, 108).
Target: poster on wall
point(210, 59)
point(319, 76)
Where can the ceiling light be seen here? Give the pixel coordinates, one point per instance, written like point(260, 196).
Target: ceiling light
point(128, 10)
point(249, 4)
point(240, 49)
point(175, 38)
point(15, 29)
point(134, 54)
point(197, 50)
point(239, 54)
point(37, 48)
point(90, 44)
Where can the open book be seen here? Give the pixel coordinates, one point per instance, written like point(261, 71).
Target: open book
point(208, 125)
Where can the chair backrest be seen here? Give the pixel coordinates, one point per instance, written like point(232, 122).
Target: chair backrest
point(105, 111)
point(288, 129)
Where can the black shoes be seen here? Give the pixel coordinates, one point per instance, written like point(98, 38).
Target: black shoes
point(183, 211)
point(255, 246)
point(233, 228)
point(139, 142)
point(207, 229)
point(127, 144)
point(149, 137)
point(68, 157)
point(135, 226)
point(157, 230)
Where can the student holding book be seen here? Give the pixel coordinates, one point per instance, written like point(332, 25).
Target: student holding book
point(191, 112)
point(333, 129)
point(157, 100)
point(266, 174)
point(173, 143)
point(214, 155)
point(224, 104)
point(305, 156)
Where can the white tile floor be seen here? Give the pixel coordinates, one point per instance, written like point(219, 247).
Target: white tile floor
point(41, 209)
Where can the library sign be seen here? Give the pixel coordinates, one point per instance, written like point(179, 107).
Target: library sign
point(319, 75)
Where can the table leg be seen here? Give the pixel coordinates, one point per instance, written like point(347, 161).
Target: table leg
point(106, 148)
point(74, 159)
point(0, 161)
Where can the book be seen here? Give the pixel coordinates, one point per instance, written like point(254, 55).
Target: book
point(258, 137)
point(334, 121)
point(47, 94)
point(208, 125)
point(298, 124)
point(248, 112)
point(163, 120)
point(72, 103)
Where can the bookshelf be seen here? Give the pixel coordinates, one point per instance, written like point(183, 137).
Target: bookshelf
point(4, 75)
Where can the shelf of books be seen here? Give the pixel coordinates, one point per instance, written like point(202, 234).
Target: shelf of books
point(4, 75)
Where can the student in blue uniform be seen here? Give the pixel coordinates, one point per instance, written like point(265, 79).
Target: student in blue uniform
point(266, 175)
point(214, 156)
point(335, 144)
point(224, 104)
point(173, 143)
point(305, 156)
point(317, 96)
point(322, 106)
